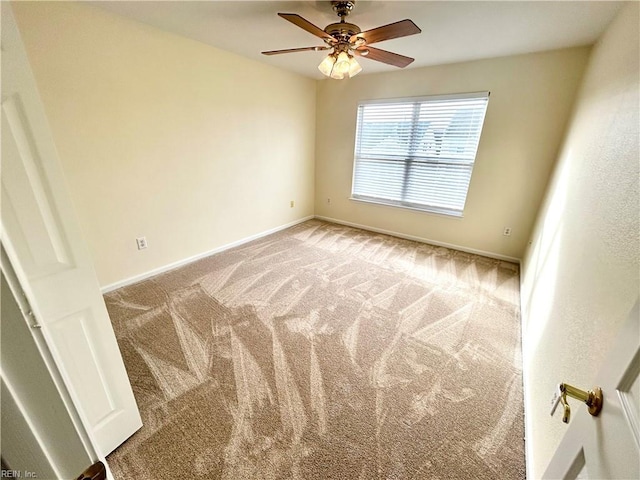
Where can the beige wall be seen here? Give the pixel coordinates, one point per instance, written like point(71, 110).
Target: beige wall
point(165, 137)
point(531, 99)
point(581, 273)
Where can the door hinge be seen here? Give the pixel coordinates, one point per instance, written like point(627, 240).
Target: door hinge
point(27, 311)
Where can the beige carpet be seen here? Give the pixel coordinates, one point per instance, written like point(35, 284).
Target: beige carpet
point(324, 352)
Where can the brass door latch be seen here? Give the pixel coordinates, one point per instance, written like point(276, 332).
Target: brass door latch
point(592, 398)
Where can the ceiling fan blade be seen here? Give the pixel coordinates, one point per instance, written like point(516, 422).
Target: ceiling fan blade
point(399, 29)
point(384, 56)
point(291, 50)
point(305, 25)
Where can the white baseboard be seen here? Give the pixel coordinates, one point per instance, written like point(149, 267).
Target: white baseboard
point(527, 408)
point(179, 263)
point(497, 256)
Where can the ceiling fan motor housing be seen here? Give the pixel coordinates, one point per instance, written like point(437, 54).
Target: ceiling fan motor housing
point(342, 31)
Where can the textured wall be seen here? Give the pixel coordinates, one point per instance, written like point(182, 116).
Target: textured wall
point(530, 104)
point(166, 137)
point(581, 272)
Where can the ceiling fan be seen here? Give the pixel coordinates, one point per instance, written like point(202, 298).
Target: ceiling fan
point(346, 40)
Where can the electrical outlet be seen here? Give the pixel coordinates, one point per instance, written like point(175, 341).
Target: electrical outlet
point(292, 204)
point(328, 201)
point(507, 231)
point(142, 242)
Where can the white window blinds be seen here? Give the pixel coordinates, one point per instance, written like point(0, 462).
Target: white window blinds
point(418, 153)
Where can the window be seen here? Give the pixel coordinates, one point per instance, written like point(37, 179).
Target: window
point(419, 152)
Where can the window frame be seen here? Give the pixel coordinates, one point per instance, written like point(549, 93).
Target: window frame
point(419, 207)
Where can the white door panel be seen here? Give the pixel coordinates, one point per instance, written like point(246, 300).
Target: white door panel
point(41, 245)
point(45, 247)
point(606, 446)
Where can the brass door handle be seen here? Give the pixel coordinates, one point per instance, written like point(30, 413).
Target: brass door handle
point(591, 398)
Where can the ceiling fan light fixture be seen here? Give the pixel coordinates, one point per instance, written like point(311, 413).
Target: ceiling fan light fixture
point(336, 75)
point(327, 65)
point(354, 67)
point(341, 67)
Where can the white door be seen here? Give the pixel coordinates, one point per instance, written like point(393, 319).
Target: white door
point(606, 446)
point(45, 247)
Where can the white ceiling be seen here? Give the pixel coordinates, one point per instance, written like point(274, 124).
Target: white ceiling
point(452, 31)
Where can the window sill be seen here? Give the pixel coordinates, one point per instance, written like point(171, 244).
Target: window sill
point(429, 211)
